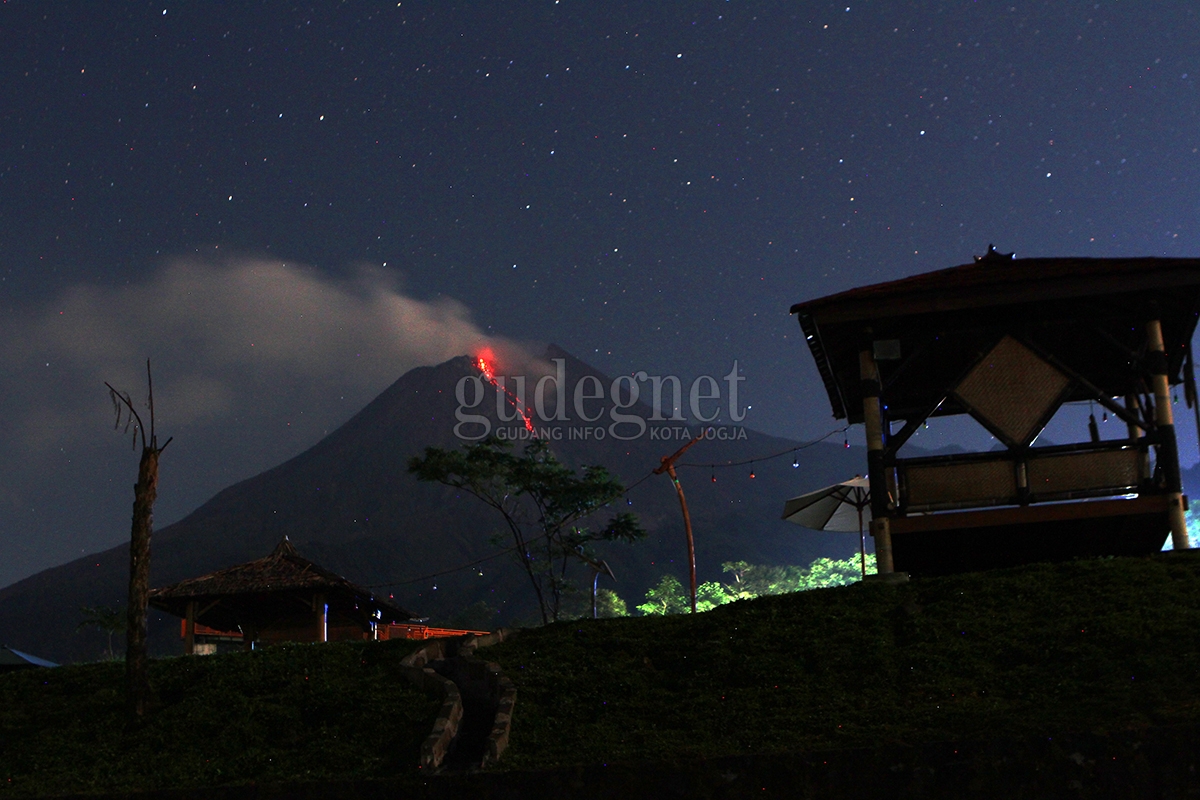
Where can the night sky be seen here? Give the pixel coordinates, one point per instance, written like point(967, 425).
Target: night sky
point(286, 207)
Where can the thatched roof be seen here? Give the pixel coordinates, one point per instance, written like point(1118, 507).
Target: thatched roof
point(1086, 312)
point(283, 571)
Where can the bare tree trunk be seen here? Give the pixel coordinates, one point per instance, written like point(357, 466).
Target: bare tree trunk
point(145, 491)
point(144, 494)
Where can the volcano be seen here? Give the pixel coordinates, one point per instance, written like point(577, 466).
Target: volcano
point(349, 504)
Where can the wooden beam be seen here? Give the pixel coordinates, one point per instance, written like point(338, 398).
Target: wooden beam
point(1023, 515)
point(189, 630)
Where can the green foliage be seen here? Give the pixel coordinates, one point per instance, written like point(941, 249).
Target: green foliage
point(542, 503)
point(666, 598)
point(1086, 646)
point(609, 605)
point(750, 581)
point(280, 714)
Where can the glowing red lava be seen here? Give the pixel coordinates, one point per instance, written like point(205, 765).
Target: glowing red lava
point(485, 359)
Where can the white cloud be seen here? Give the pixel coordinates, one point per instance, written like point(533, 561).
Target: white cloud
point(223, 334)
point(253, 361)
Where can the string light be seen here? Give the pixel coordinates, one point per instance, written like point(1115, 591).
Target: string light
point(792, 451)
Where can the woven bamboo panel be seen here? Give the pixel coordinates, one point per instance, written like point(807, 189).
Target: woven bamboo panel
point(946, 485)
point(1078, 472)
point(1013, 389)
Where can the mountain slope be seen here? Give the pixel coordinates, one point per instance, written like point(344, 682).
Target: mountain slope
point(349, 504)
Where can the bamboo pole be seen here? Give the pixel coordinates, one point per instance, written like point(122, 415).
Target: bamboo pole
point(1164, 419)
point(873, 422)
point(668, 466)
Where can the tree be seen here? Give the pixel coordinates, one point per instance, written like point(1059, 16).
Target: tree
point(609, 604)
point(109, 620)
point(753, 580)
point(145, 491)
point(542, 503)
point(666, 598)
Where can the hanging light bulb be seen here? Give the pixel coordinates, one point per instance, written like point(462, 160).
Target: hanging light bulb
point(795, 459)
point(752, 470)
point(1104, 417)
point(713, 473)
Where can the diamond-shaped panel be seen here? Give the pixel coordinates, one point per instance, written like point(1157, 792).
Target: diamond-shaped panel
point(1013, 389)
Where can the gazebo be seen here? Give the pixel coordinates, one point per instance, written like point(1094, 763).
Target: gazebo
point(1009, 341)
point(281, 598)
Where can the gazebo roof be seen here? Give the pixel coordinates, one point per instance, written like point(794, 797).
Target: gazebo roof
point(1087, 313)
point(284, 571)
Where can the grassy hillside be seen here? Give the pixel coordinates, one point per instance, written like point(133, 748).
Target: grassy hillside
point(1085, 647)
point(288, 713)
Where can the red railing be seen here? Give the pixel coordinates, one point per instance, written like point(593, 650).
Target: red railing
point(383, 632)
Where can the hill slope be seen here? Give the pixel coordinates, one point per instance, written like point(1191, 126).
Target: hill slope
point(1080, 647)
point(1072, 680)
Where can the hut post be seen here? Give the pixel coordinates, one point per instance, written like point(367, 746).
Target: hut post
point(1134, 407)
point(873, 422)
point(189, 629)
point(1164, 419)
point(322, 609)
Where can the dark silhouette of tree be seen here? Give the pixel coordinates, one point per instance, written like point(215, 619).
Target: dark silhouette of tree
point(109, 620)
point(145, 491)
point(541, 502)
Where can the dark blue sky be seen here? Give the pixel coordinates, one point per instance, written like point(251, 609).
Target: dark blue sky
point(650, 185)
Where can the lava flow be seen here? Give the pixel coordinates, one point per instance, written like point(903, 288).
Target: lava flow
point(485, 361)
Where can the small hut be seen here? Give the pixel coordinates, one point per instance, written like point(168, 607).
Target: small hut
point(281, 598)
point(1008, 342)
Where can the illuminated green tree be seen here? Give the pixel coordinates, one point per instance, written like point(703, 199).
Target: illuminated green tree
point(753, 580)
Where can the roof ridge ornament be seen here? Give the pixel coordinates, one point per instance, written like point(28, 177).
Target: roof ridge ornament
point(993, 256)
point(284, 548)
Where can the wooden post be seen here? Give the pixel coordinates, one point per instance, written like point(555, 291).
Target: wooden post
point(189, 630)
point(1164, 419)
point(873, 422)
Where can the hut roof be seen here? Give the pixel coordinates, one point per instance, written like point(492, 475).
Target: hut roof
point(284, 570)
point(14, 659)
point(1087, 312)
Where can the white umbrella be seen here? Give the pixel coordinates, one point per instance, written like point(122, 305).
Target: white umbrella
point(845, 506)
